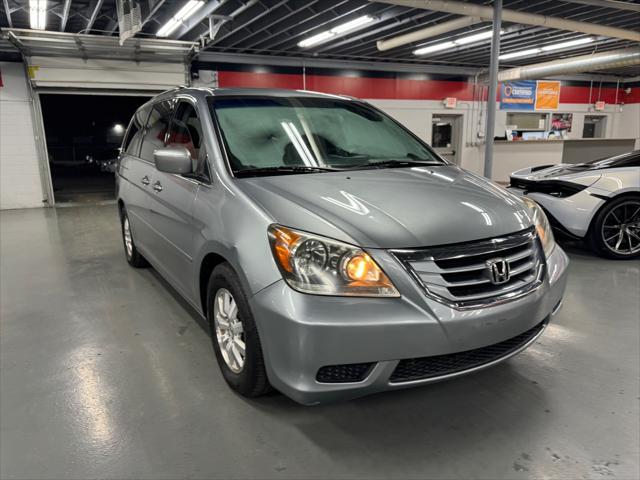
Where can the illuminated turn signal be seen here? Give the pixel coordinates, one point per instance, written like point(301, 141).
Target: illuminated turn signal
point(283, 246)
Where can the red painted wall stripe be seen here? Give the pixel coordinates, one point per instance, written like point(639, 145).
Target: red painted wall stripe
point(403, 89)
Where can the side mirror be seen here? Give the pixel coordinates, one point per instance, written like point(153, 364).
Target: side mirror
point(174, 159)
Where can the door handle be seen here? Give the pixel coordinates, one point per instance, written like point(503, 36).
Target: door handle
point(157, 187)
point(145, 180)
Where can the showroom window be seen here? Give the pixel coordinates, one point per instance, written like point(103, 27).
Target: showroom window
point(156, 130)
point(186, 130)
point(526, 121)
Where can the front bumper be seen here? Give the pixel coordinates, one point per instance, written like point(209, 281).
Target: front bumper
point(302, 333)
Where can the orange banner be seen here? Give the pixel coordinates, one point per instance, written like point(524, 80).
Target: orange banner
point(547, 95)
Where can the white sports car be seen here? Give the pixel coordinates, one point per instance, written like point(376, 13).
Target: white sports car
point(597, 201)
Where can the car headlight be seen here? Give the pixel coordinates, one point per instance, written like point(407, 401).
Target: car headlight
point(542, 226)
point(321, 266)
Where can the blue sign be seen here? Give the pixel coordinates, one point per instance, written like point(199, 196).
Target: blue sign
point(519, 95)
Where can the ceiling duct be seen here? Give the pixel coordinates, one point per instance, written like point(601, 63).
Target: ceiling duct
point(584, 63)
point(474, 10)
point(129, 19)
point(428, 32)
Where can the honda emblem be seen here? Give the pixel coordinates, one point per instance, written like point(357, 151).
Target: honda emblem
point(498, 270)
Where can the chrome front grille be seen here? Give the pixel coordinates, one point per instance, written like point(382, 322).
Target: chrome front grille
point(461, 276)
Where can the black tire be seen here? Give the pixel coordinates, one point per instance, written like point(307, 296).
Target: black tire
point(596, 237)
point(133, 256)
point(251, 381)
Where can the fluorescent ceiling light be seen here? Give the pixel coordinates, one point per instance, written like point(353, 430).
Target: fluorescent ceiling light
point(321, 37)
point(434, 48)
point(572, 43)
point(521, 53)
point(476, 37)
point(336, 31)
point(191, 7)
point(38, 14)
point(547, 48)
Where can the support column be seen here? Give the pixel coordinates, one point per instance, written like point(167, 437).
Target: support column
point(493, 87)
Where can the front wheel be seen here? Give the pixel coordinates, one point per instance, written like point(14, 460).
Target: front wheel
point(615, 232)
point(234, 334)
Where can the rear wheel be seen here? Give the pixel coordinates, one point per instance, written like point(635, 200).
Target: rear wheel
point(615, 232)
point(234, 334)
point(132, 254)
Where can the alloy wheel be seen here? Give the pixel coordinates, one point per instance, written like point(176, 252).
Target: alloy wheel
point(621, 228)
point(229, 330)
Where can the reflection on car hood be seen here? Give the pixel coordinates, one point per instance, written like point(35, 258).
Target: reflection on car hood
point(391, 208)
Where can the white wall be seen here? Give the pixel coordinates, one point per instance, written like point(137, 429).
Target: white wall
point(416, 115)
point(20, 184)
point(627, 122)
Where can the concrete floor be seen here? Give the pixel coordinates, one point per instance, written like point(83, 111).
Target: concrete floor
point(105, 373)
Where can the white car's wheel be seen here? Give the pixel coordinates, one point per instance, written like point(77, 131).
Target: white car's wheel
point(615, 232)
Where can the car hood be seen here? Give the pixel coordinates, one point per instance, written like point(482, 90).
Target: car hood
point(391, 208)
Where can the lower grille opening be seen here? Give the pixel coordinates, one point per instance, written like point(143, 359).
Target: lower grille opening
point(353, 372)
point(440, 365)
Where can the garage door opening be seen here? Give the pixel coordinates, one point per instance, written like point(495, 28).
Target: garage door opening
point(83, 135)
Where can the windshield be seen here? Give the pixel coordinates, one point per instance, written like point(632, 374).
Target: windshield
point(271, 136)
point(631, 159)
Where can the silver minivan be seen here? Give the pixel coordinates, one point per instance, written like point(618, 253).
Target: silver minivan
point(333, 253)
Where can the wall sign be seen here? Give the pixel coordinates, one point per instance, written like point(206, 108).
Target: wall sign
point(520, 95)
point(547, 95)
point(600, 104)
point(530, 95)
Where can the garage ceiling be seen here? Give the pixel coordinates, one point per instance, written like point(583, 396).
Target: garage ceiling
point(274, 28)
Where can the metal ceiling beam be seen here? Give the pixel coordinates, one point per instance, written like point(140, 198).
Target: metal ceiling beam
point(384, 19)
point(7, 12)
point(474, 10)
point(530, 35)
point(252, 19)
point(307, 18)
point(294, 33)
point(65, 15)
point(538, 5)
point(94, 15)
point(634, 7)
point(267, 26)
point(333, 63)
point(152, 11)
point(428, 32)
point(197, 18)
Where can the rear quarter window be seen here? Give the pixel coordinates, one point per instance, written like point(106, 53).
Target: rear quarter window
point(133, 138)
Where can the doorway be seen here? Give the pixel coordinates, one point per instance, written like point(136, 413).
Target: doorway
point(594, 126)
point(83, 135)
point(446, 135)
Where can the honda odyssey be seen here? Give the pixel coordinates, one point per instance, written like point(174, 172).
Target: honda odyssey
point(333, 253)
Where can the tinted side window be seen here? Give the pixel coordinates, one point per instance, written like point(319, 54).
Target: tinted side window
point(156, 130)
point(186, 130)
point(133, 139)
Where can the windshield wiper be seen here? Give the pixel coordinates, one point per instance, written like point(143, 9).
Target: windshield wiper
point(396, 163)
point(284, 169)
